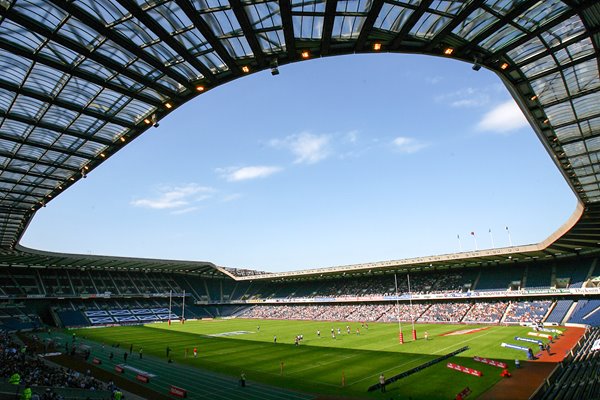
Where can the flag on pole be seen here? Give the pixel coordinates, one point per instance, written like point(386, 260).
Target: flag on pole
point(473, 233)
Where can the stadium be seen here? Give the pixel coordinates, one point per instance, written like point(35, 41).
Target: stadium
point(81, 80)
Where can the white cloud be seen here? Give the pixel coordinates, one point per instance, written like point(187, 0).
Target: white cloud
point(175, 198)
point(307, 147)
point(503, 118)
point(408, 145)
point(352, 137)
point(235, 174)
point(466, 98)
point(231, 197)
point(433, 79)
point(184, 211)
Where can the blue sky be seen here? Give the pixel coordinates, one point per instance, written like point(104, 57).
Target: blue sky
point(334, 161)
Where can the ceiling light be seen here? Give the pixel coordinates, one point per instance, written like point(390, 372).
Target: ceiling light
point(86, 167)
point(122, 139)
point(533, 98)
point(147, 121)
point(200, 88)
point(504, 65)
point(305, 54)
point(102, 155)
point(448, 51)
point(169, 105)
point(245, 69)
point(376, 46)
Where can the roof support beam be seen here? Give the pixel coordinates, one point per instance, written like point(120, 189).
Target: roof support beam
point(37, 161)
point(47, 147)
point(207, 33)
point(330, 7)
point(376, 7)
point(456, 21)
point(76, 72)
point(159, 31)
point(84, 51)
point(64, 104)
point(410, 23)
point(52, 127)
point(242, 17)
point(503, 21)
point(119, 39)
point(285, 9)
point(10, 181)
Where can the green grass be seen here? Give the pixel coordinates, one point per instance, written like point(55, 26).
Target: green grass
point(317, 365)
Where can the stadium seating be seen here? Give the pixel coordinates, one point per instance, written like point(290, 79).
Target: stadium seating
point(527, 311)
point(579, 377)
point(586, 312)
point(560, 311)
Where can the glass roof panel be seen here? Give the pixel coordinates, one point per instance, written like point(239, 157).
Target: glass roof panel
point(582, 77)
point(59, 116)
point(573, 149)
point(238, 47)
point(568, 132)
point(539, 66)
point(549, 88)
point(6, 99)
point(575, 51)
point(560, 113)
point(135, 111)
point(41, 11)
point(308, 27)
point(84, 123)
point(46, 136)
point(347, 27)
point(528, 49)
point(593, 144)
point(136, 32)
point(564, 31)
point(475, 23)
point(60, 53)
point(115, 53)
point(106, 11)
point(541, 13)
point(79, 91)
point(448, 6)
point(108, 102)
point(7, 146)
point(13, 67)
point(15, 33)
point(28, 107)
point(170, 17)
point(590, 127)
point(111, 131)
point(81, 33)
point(308, 5)
point(501, 38)
point(267, 15)
point(587, 105)
point(271, 41)
point(15, 129)
point(392, 17)
point(429, 25)
point(97, 69)
point(46, 80)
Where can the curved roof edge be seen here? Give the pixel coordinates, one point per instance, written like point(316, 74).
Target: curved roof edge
point(579, 235)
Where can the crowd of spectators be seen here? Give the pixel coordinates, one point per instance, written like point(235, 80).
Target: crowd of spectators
point(445, 312)
point(19, 360)
point(491, 312)
point(527, 311)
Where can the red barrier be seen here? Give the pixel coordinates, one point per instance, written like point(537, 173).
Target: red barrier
point(142, 378)
point(401, 338)
point(119, 369)
point(466, 370)
point(177, 391)
point(464, 393)
point(490, 362)
point(96, 361)
point(414, 334)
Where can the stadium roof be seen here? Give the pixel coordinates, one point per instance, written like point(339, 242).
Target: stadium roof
point(81, 79)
